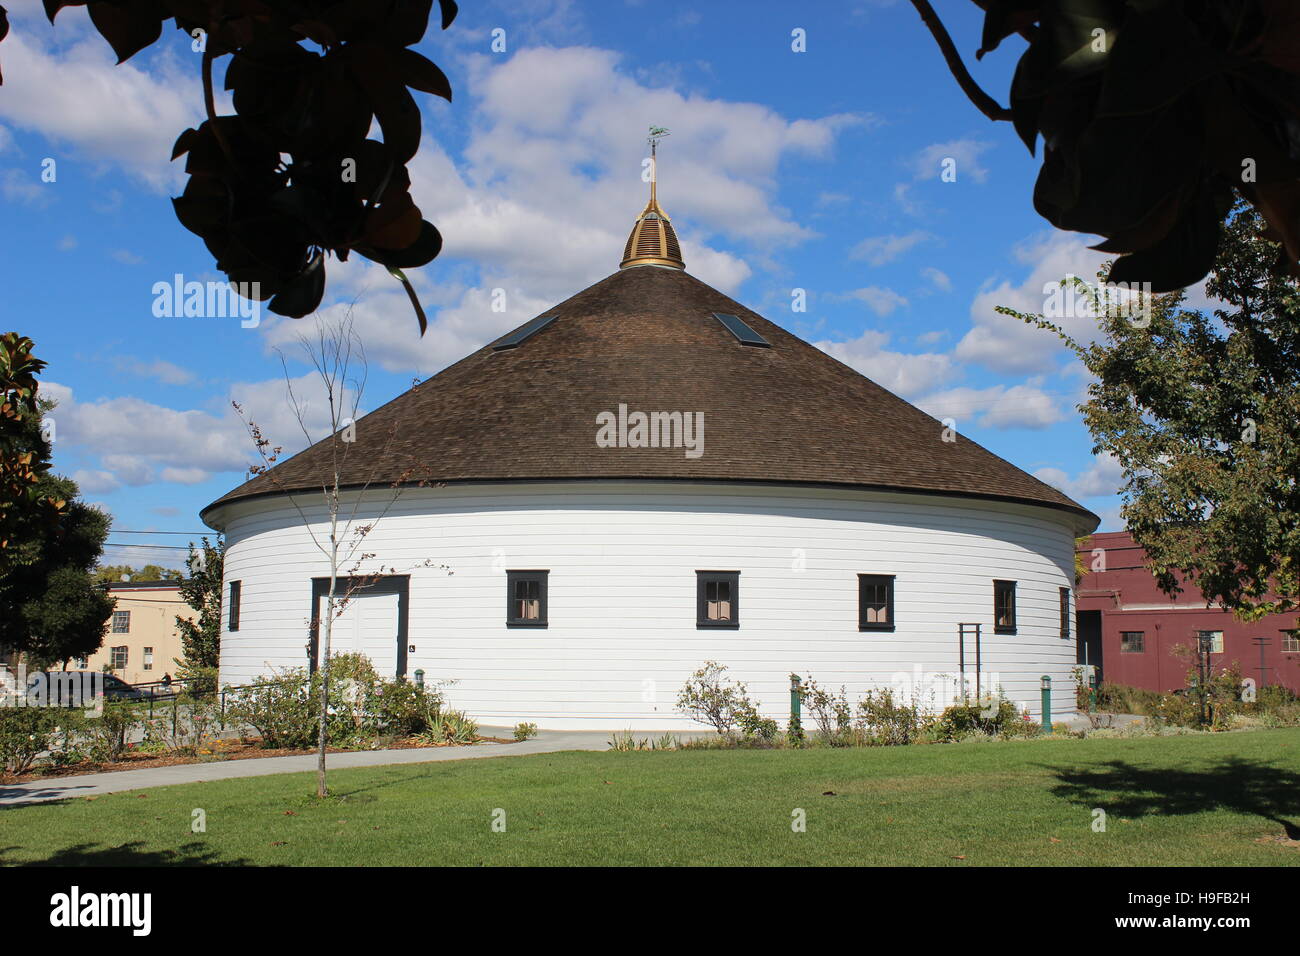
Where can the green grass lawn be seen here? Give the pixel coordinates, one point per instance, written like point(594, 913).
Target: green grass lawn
point(1206, 799)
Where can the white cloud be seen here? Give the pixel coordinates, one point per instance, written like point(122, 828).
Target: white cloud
point(95, 482)
point(549, 187)
point(138, 443)
point(965, 153)
point(64, 84)
point(903, 374)
point(169, 373)
point(879, 250)
point(998, 406)
point(185, 476)
point(21, 186)
point(1006, 344)
point(938, 278)
point(1103, 476)
point(879, 300)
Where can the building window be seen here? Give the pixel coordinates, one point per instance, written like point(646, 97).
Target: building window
point(79, 663)
point(1004, 607)
point(526, 598)
point(1291, 642)
point(1132, 642)
point(148, 658)
point(875, 602)
point(233, 624)
point(117, 658)
point(121, 622)
point(1214, 637)
point(1065, 613)
point(717, 596)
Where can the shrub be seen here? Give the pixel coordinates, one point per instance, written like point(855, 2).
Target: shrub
point(26, 732)
point(883, 721)
point(279, 708)
point(199, 681)
point(990, 717)
point(285, 708)
point(831, 713)
point(451, 727)
point(404, 709)
point(525, 731)
point(181, 727)
point(725, 707)
point(105, 735)
point(754, 726)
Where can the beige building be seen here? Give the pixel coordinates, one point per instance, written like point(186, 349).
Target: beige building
point(141, 642)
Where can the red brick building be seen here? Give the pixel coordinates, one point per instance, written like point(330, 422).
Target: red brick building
point(1128, 627)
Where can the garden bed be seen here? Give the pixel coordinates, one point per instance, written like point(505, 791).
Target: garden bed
point(247, 748)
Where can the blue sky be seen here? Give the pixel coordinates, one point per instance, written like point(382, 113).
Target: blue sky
point(816, 170)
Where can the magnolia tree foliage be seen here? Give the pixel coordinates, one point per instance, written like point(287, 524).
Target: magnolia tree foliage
point(1202, 411)
point(24, 455)
point(292, 175)
point(50, 604)
point(1151, 112)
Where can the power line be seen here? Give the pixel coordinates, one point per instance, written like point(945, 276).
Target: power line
point(190, 533)
point(150, 547)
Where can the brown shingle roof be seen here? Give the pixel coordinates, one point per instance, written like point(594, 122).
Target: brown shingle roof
point(646, 337)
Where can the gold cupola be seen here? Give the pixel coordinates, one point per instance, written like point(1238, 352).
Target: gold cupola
point(653, 241)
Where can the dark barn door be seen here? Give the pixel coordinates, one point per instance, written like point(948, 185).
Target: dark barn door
point(1089, 646)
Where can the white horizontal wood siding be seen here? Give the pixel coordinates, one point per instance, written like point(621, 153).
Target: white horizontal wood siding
point(622, 558)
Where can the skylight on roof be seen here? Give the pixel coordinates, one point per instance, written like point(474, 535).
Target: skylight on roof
point(741, 331)
point(523, 332)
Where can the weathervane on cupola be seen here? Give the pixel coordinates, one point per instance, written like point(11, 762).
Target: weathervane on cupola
point(653, 241)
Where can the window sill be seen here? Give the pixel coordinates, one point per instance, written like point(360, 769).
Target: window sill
point(715, 625)
point(875, 627)
point(541, 624)
point(1004, 630)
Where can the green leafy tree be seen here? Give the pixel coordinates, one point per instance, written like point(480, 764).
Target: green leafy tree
point(24, 458)
point(201, 589)
point(113, 573)
point(50, 605)
point(1203, 414)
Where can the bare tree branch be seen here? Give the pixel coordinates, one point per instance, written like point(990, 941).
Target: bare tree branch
point(983, 102)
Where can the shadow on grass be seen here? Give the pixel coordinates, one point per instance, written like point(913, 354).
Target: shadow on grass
point(1241, 786)
point(128, 854)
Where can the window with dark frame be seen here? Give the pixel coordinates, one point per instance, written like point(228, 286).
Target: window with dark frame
point(236, 589)
point(1214, 638)
point(526, 598)
point(717, 598)
point(875, 602)
point(117, 658)
point(1004, 607)
point(1065, 613)
point(1132, 642)
point(121, 622)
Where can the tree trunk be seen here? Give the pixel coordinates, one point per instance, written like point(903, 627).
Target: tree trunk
point(323, 734)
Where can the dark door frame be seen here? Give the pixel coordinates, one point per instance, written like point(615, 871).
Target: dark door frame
point(399, 584)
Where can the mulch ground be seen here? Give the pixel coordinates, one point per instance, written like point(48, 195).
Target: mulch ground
point(245, 749)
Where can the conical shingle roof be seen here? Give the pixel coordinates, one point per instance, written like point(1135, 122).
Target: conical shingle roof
point(647, 338)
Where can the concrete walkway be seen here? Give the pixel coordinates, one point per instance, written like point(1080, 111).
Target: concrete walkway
point(94, 784)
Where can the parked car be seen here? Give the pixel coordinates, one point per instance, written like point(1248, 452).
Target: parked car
point(78, 688)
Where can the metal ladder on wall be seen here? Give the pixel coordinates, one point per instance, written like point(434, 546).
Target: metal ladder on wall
point(963, 631)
